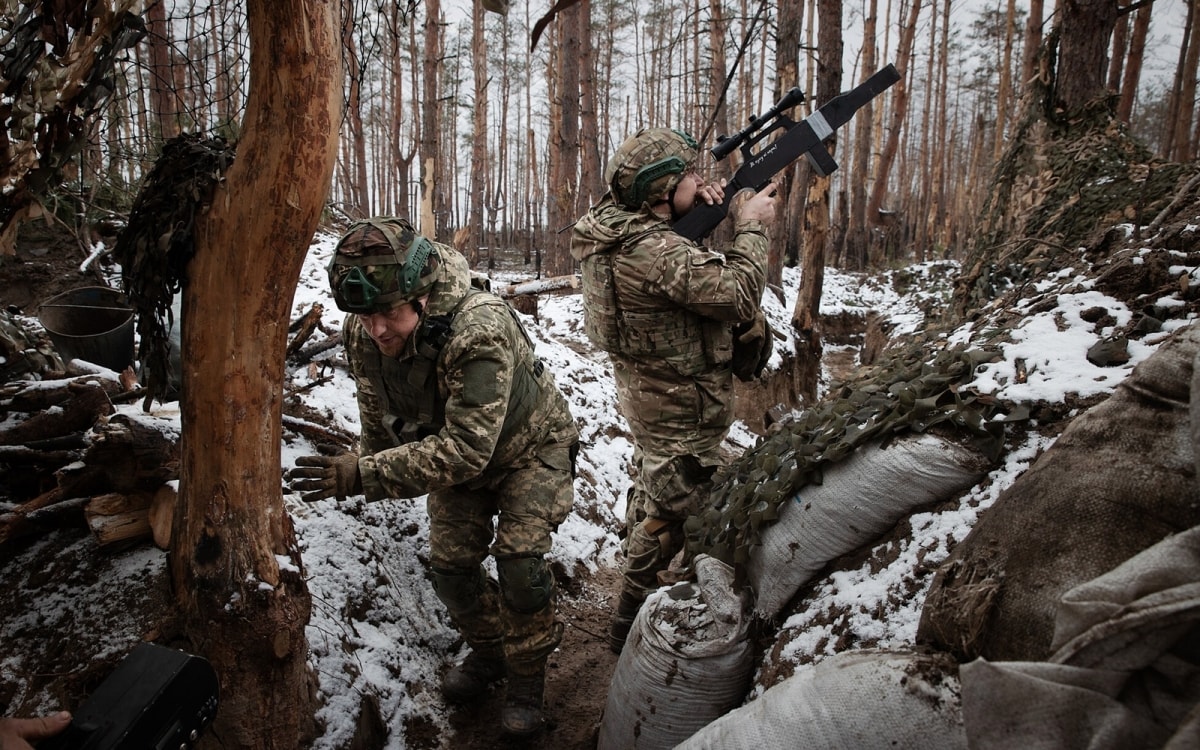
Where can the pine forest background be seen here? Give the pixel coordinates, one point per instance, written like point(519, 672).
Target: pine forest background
point(451, 118)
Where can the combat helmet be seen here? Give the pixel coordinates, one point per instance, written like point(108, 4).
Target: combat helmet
point(379, 263)
point(650, 163)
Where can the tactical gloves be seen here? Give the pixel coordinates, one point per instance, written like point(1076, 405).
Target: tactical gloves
point(753, 343)
point(326, 476)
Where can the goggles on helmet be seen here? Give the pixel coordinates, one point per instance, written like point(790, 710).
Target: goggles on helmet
point(368, 276)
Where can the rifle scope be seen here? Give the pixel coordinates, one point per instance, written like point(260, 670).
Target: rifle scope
point(727, 143)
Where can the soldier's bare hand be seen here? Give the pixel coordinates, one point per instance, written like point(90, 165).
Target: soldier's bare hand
point(760, 205)
point(711, 193)
point(17, 733)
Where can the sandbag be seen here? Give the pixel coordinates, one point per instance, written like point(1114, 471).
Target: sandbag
point(858, 500)
point(1120, 478)
point(687, 661)
point(1125, 673)
point(859, 700)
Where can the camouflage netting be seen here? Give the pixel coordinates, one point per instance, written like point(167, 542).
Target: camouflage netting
point(906, 392)
point(56, 72)
point(1064, 175)
point(159, 240)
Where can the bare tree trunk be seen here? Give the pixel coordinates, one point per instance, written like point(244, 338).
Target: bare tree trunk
point(162, 97)
point(1083, 48)
point(806, 318)
point(856, 231)
point(920, 223)
point(239, 605)
point(1120, 42)
point(941, 150)
point(792, 182)
point(908, 35)
point(356, 149)
point(591, 178)
point(1133, 67)
point(479, 135)
point(1033, 41)
point(1180, 147)
point(1004, 96)
point(432, 205)
point(564, 156)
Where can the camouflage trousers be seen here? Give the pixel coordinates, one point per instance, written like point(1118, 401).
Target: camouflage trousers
point(666, 490)
point(510, 515)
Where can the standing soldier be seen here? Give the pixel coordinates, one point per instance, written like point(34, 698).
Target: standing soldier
point(678, 321)
point(454, 403)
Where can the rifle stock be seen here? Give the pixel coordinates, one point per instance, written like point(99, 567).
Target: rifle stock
point(804, 138)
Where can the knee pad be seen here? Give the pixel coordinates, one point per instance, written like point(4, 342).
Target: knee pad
point(526, 583)
point(459, 589)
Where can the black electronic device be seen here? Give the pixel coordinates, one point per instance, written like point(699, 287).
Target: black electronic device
point(156, 698)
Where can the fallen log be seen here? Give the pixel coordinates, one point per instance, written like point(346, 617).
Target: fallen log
point(30, 455)
point(318, 432)
point(537, 286)
point(77, 413)
point(308, 353)
point(303, 329)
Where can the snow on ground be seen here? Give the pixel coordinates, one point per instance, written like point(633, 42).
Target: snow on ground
point(377, 627)
point(356, 557)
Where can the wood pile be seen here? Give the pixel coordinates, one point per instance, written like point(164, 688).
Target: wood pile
point(74, 458)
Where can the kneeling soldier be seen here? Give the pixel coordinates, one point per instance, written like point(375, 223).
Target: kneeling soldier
point(454, 403)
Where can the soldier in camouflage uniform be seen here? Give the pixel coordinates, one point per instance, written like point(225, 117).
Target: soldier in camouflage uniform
point(677, 321)
point(454, 403)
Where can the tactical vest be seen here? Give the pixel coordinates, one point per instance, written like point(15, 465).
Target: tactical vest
point(688, 342)
point(408, 388)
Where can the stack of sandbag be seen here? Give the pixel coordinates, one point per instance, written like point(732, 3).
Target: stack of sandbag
point(1119, 479)
point(1124, 675)
point(858, 499)
point(1125, 672)
point(858, 700)
point(687, 661)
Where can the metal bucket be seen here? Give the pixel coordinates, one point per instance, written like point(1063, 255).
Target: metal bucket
point(92, 323)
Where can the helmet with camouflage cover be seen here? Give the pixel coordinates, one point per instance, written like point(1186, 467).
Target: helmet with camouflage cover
point(380, 263)
point(650, 164)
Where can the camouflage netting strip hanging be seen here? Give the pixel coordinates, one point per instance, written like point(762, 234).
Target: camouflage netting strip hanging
point(907, 393)
point(159, 240)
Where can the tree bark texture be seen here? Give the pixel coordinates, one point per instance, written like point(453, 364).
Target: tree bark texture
point(235, 565)
point(1087, 27)
point(806, 317)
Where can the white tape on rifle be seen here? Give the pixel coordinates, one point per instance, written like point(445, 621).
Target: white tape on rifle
point(819, 125)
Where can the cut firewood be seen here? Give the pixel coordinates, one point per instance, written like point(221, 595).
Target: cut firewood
point(117, 519)
point(135, 457)
point(162, 514)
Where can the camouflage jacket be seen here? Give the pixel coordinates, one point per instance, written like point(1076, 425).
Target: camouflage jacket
point(673, 305)
point(461, 405)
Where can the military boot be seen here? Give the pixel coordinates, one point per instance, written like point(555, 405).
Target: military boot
point(618, 631)
point(522, 714)
point(471, 678)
